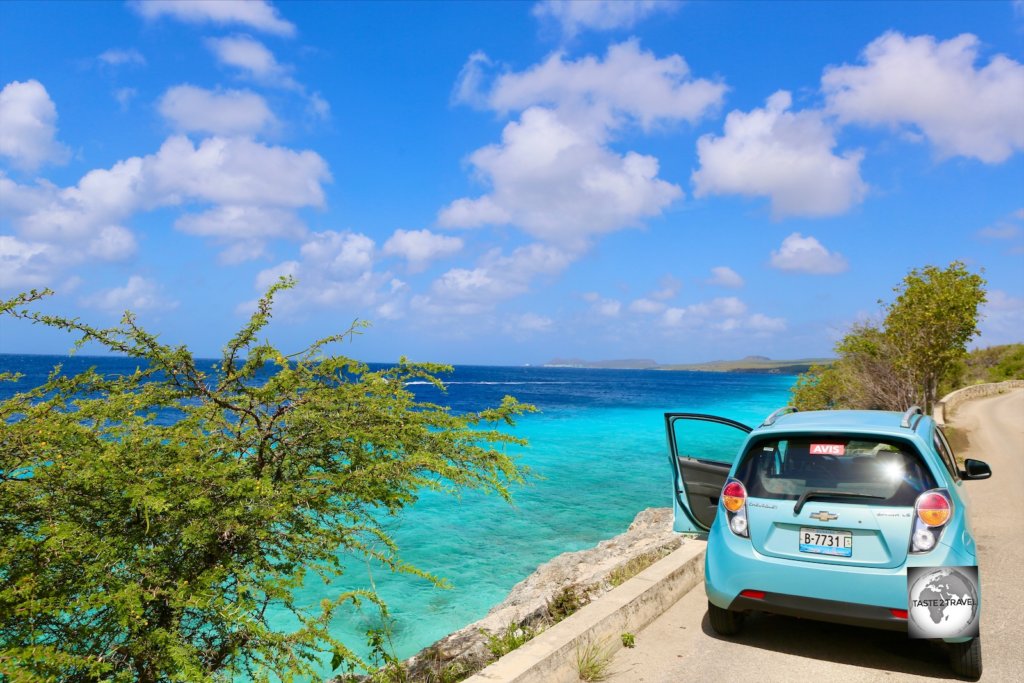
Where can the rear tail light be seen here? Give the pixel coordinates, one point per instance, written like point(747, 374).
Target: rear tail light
point(734, 500)
point(933, 508)
point(734, 496)
point(932, 512)
point(899, 613)
point(751, 593)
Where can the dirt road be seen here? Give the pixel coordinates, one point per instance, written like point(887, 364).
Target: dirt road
point(680, 645)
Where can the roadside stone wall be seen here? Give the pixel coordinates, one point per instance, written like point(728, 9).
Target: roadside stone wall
point(945, 408)
point(527, 603)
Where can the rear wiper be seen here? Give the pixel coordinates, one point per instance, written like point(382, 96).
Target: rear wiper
point(829, 494)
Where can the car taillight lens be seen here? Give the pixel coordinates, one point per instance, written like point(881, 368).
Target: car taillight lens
point(933, 510)
point(734, 496)
point(734, 500)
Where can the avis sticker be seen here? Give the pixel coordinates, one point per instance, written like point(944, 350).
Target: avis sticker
point(828, 449)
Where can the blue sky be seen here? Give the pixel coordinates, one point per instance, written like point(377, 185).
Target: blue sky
point(503, 183)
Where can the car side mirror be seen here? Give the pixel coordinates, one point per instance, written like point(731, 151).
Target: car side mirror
point(975, 469)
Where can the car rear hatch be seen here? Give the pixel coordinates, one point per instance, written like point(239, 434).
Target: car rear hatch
point(831, 532)
point(833, 499)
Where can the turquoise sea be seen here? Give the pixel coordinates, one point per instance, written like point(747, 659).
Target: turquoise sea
point(597, 451)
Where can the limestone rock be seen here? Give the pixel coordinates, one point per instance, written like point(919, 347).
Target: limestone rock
point(527, 603)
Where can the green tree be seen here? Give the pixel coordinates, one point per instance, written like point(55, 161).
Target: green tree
point(934, 316)
point(820, 388)
point(922, 341)
point(133, 549)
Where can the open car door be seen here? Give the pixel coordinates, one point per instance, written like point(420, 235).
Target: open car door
point(702, 449)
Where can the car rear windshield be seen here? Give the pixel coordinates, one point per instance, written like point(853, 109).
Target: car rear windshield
point(784, 469)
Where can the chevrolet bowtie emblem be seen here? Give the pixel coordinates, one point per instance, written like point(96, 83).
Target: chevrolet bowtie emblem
point(824, 516)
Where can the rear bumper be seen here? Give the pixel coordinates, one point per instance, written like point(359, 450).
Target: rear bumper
point(820, 590)
point(849, 613)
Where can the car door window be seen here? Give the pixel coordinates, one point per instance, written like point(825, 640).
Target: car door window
point(702, 449)
point(706, 440)
point(942, 446)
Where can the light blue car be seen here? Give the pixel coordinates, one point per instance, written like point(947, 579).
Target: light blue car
point(820, 515)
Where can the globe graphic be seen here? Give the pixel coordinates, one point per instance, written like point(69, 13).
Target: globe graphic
point(951, 603)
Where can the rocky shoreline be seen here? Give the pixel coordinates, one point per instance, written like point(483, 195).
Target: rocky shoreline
point(585, 575)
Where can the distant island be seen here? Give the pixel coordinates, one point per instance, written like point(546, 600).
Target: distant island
point(748, 364)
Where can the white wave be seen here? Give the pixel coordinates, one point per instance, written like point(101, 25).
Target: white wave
point(509, 382)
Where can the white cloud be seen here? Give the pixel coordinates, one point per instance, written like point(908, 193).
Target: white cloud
point(610, 308)
point(335, 272)
point(249, 191)
point(594, 95)
point(255, 14)
point(318, 108)
point(1002, 319)
point(933, 87)
point(339, 254)
point(25, 264)
point(112, 243)
point(654, 302)
point(553, 174)
point(472, 213)
point(669, 287)
point(257, 63)
point(244, 229)
point(705, 313)
point(138, 294)
point(470, 84)
point(419, 247)
point(720, 315)
point(236, 171)
point(1002, 230)
point(647, 306)
point(574, 16)
point(28, 126)
point(269, 276)
point(721, 306)
point(253, 59)
point(465, 291)
point(723, 276)
point(229, 112)
point(787, 156)
point(124, 97)
point(559, 185)
point(119, 57)
point(801, 254)
point(762, 323)
point(527, 323)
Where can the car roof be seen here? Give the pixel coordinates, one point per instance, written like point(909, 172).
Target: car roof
point(856, 421)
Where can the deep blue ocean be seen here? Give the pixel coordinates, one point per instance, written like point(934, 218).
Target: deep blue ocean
point(597, 450)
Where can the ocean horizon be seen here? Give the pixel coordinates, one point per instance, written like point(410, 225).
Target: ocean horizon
point(597, 455)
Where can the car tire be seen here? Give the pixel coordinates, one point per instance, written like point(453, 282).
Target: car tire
point(724, 622)
point(965, 658)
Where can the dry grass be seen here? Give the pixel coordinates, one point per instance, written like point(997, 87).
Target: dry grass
point(594, 661)
point(626, 571)
point(567, 601)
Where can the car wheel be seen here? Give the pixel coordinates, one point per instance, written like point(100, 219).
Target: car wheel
point(965, 658)
point(724, 622)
